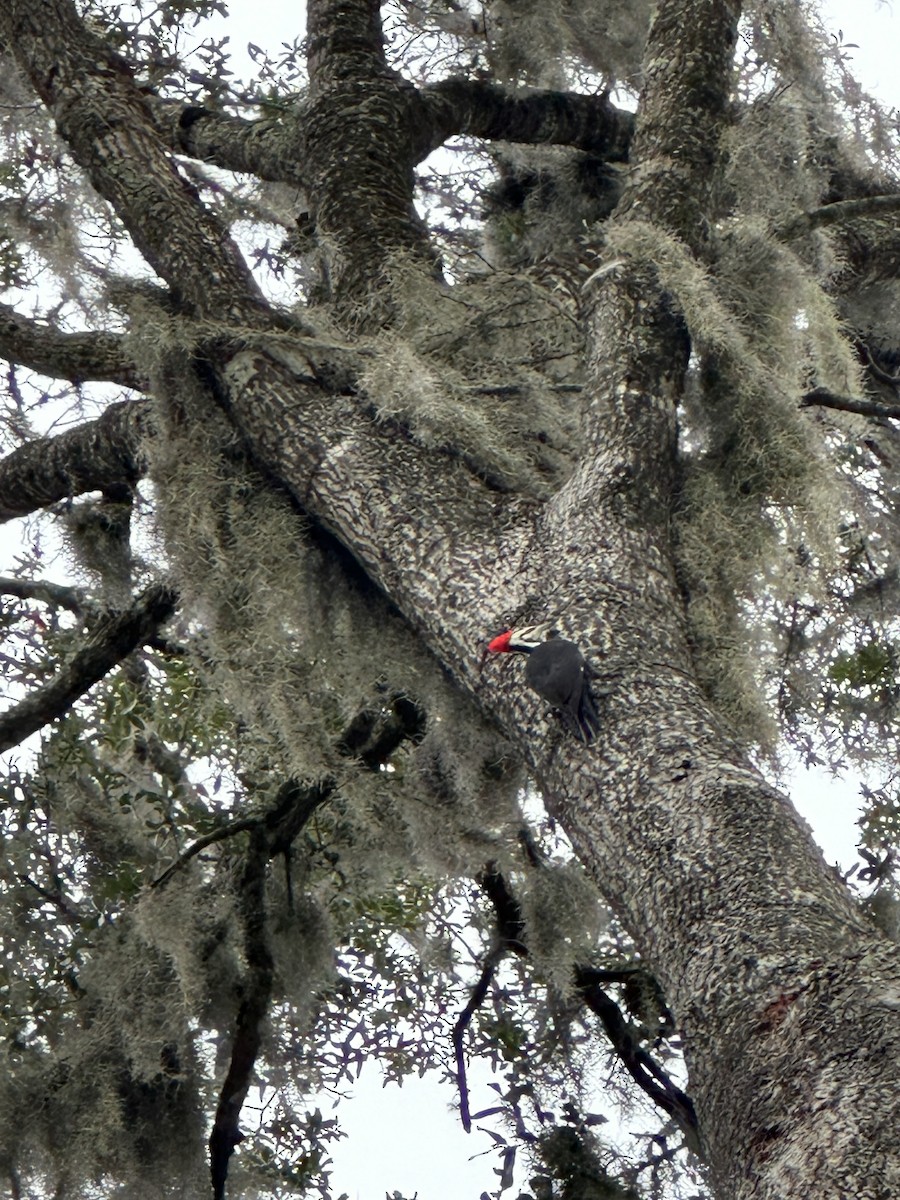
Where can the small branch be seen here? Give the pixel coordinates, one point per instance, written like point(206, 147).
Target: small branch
point(114, 637)
point(515, 389)
point(822, 398)
point(647, 1073)
point(508, 912)
point(838, 213)
point(92, 355)
point(637, 1062)
point(256, 992)
point(15, 1183)
point(96, 456)
point(373, 744)
point(55, 898)
point(294, 806)
point(57, 595)
point(218, 835)
point(366, 737)
point(462, 1024)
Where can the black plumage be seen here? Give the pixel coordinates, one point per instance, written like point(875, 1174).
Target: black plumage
point(558, 671)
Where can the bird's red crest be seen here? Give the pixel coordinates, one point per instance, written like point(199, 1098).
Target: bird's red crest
point(500, 644)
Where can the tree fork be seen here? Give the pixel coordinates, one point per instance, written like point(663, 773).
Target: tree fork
point(361, 196)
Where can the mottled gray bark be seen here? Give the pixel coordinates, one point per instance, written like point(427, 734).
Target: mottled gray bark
point(266, 148)
point(476, 108)
point(96, 457)
point(362, 197)
point(79, 357)
point(271, 147)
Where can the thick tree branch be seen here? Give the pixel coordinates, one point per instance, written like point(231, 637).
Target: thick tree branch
point(822, 398)
point(114, 637)
point(102, 115)
point(479, 109)
point(838, 213)
point(361, 480)
point(361, 197)
point(353, 474)
point(74, 356)
point(683, 111)
point(98, 456)
point(267, 148)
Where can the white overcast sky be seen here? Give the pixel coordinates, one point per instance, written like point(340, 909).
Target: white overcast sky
point(875, 27)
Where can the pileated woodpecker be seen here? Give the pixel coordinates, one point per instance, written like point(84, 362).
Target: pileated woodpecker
point(557, 670)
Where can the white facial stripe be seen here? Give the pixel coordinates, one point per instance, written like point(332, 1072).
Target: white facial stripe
point(531, 633)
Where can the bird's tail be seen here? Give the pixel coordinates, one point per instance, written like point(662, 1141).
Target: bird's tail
point(588, 716)
point(586, 724)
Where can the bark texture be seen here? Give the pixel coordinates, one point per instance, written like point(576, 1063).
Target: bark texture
point(99, 456)
point(75, 356)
